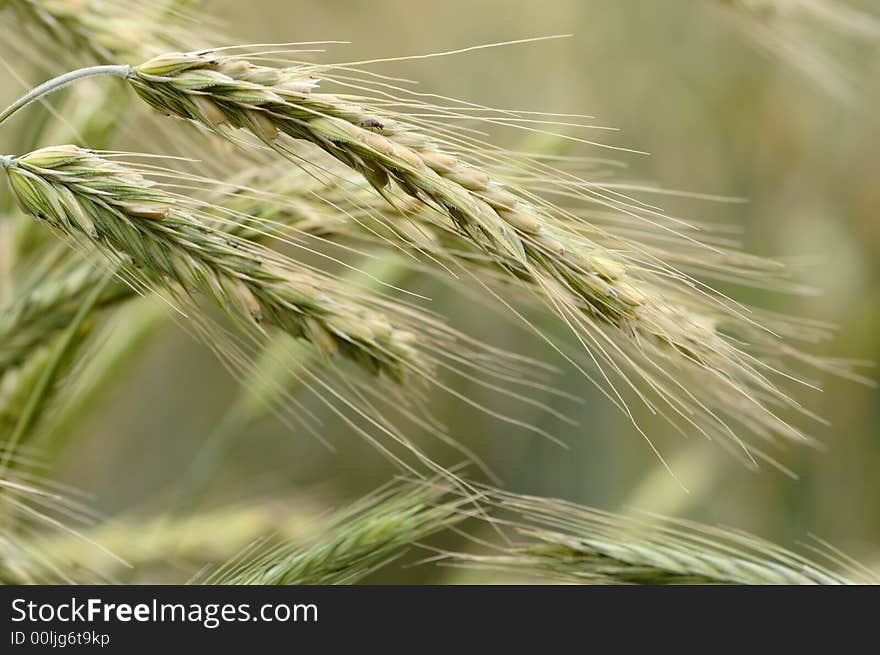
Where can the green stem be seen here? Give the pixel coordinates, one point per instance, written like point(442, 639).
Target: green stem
point(61, 81)
point(210, 458)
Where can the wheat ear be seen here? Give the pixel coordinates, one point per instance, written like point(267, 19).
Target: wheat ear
point(634, 313)
point(576, 544)
point(640, 316)
point(268, 204)
point(82, 194)
point(801, 33)
point(268, 102)
point(105, 30)
point(163, 243)
point(191, 541)
point(358, 541)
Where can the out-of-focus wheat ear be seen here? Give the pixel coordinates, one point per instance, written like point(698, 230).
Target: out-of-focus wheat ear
point(192, 542)
point(31, 508)
point(35, 386)
point(103, 31)
point(358, 541)
point(41, 310)
point(571, 543)
point(806, 35)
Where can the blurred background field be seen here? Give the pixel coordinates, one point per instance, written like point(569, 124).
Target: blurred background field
point(717, 117)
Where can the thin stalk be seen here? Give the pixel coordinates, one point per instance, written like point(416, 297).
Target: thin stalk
point(60, 82)
point(209, 459)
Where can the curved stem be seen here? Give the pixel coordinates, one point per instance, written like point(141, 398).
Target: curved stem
point(61, 81)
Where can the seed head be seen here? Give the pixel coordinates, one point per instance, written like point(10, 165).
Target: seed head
point(124, 213)
point(635, 313)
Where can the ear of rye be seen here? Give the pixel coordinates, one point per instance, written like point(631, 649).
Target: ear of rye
point(679, 346)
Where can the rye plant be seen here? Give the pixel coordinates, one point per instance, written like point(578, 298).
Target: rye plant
point(323, 188)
